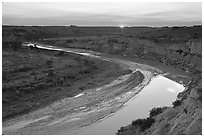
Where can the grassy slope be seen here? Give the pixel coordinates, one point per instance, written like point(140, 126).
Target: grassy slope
point(30, 81)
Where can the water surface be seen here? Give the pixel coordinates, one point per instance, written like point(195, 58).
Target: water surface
point(161, 91)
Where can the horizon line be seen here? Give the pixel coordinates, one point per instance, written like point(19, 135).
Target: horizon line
point(72, 25)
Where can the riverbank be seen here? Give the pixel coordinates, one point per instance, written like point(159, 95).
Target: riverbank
point(184, 118)
point(138, 106)
point(85, 108)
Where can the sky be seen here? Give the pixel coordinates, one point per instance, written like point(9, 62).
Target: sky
point(102, 14)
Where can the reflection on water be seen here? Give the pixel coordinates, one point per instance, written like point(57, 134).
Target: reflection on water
point(161, 91)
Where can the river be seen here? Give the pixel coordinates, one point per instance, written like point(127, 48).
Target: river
point(160, 92)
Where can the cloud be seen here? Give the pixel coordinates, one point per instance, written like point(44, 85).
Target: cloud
point(152, 14)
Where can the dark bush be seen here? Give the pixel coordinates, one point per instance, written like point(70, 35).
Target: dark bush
point(60, 53)
point(17, 45)
point(88, 62)
point(70, 76)
point(50, 73)
point(199, 92)
point(176, 103)
point(71, 41)
point(113, 41)
point(87, 71)
point(49, 63)
point(156, 111)
point(22, 69)
point(144, 123)
point(185, 110)
point(12, 45)
point(121, 130)
point(128, 71)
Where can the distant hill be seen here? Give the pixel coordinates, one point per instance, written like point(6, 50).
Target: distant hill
point(39, 32)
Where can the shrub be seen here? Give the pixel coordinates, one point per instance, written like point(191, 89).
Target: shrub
point(176, 103)
point(185, 110)
point(23, 68)
point(88, 62)
point(50, 73)
point(199, 92)
point(122, 129)
point(113, 41)
point(87, 71)
point(49, 63)
point(17, 45)
point(144, 123)
point(156, 111)
point(128, 71)
point(60, 53)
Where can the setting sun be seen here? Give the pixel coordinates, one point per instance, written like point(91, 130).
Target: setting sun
point(121, 26)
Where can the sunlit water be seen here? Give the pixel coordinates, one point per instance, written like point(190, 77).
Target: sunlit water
point(160, 92)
